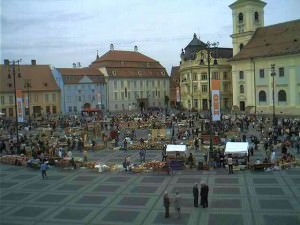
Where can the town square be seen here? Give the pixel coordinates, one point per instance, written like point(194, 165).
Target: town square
point(131, 135)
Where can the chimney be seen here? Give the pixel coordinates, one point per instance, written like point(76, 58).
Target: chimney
point(33, 62)
point(112, 47)
point(74, 65)
point(136, 48)
point(6, 62)
point(78, 64)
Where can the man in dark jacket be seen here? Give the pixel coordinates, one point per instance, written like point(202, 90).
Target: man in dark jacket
point(167, 205)
point(204, 195)
point(196, 195)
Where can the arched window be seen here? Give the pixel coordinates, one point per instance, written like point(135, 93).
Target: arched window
point(282, 96)
point(241, 18)
point(242, 89)
point(256, 17)
point(241, 46)
point(262, 96)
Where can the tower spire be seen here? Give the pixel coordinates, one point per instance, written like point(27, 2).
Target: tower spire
point(97, 55)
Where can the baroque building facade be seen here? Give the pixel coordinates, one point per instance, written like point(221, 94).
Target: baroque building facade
point(194, 77)
point(256, 49)
point(39, 91)
point(134, 80)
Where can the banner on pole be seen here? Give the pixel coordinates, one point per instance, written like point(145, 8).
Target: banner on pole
point(177, 94)
point(215, 96)
point(26, 102)
point(20, 111)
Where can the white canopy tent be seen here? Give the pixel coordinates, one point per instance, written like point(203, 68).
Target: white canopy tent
point(236, 148)
point(176, 148)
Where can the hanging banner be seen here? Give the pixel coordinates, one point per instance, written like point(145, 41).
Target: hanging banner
point(26, 102)
point(177, 94)
point(20, 112)
point(215, 96)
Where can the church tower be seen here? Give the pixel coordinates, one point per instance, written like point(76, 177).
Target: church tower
point(247, 15)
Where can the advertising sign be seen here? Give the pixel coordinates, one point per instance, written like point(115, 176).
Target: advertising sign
point(215, 98)
point(177, 94)
point(20, 110)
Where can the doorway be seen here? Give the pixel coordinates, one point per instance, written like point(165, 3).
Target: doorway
point(242, 106)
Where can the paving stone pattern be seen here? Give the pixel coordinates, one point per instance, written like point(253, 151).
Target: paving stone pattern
point(87, 197)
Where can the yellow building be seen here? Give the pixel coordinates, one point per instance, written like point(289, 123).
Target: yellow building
point(34, 81)
point(194, 75)
point(255, 49)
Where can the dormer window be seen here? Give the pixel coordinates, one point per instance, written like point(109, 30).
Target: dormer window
point(241, 18)
point(241, 46)
point(256, 17)
point(163, 73)
point(148, 65)
point(139, 73)
point(114, 73)
point(45, 84)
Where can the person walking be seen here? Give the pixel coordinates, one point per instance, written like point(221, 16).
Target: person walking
point(273, 156)
point(44, 168)
point(196, 195)
point(177, 204)
point(230, 164)
point(204, 194)
point(167, 204)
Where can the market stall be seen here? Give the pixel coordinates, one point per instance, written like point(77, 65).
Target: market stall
point(176, 161)
point(239, 153)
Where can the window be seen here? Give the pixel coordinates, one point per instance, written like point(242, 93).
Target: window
point(226, 86)
point(242, 89)
point(128, 95)
point(147, 83)
point(204, 88)
point(194, 76)
point(93, 98)
point(125, 92)
point(116, 106)
point(153, 94)
point(54, 109)
point(158, 83)
point(75, 108)
point(262, 73)
point(79, 98)
point(195, 88)
point(70, 108)
point(116, 95)
point(134, 84)
point(141, 94)
point(122, 95)
point(11, 99)
point(215, 76)
point(153, 83)
point(158, 93)
point(46, 97)
point(36, 98)
point(2, 100)
point(203, 76)
point(53, 97)
point(241, 46)
point(241, 18)
point(10, 112)
point(256, 17)
point(262, 96)
point(115, 84)
point(225, 76)
point(128, 84)
point(282, 96)
point(241, 75)
point(47, 109)
point(93, 90)
point(141, 83)
point(122, 84)
point(281, 71)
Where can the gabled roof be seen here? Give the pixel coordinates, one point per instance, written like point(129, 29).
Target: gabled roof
point(275, 40)
point(129, 64)
point(126, 56)
point(39, 76)
point(75, 75)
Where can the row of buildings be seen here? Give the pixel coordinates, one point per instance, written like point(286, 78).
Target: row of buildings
point(115, 81)
point(260, 74)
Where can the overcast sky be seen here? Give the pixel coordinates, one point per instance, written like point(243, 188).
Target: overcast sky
point(60, 32)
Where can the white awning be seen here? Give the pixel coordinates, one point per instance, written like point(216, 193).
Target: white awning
point(236, 148)
point(176, 148)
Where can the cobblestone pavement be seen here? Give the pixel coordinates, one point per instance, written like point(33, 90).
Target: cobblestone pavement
point(84, 196)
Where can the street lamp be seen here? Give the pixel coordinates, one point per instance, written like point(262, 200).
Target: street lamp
point(273, 74)
point(208, 48)
point(12, 68)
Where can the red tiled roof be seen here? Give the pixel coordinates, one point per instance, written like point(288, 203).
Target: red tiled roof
point(128, 56)
point(39, 76)
point(275, 40)
point(74, 75)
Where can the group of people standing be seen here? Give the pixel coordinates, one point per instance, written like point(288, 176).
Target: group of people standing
point(204, 189)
